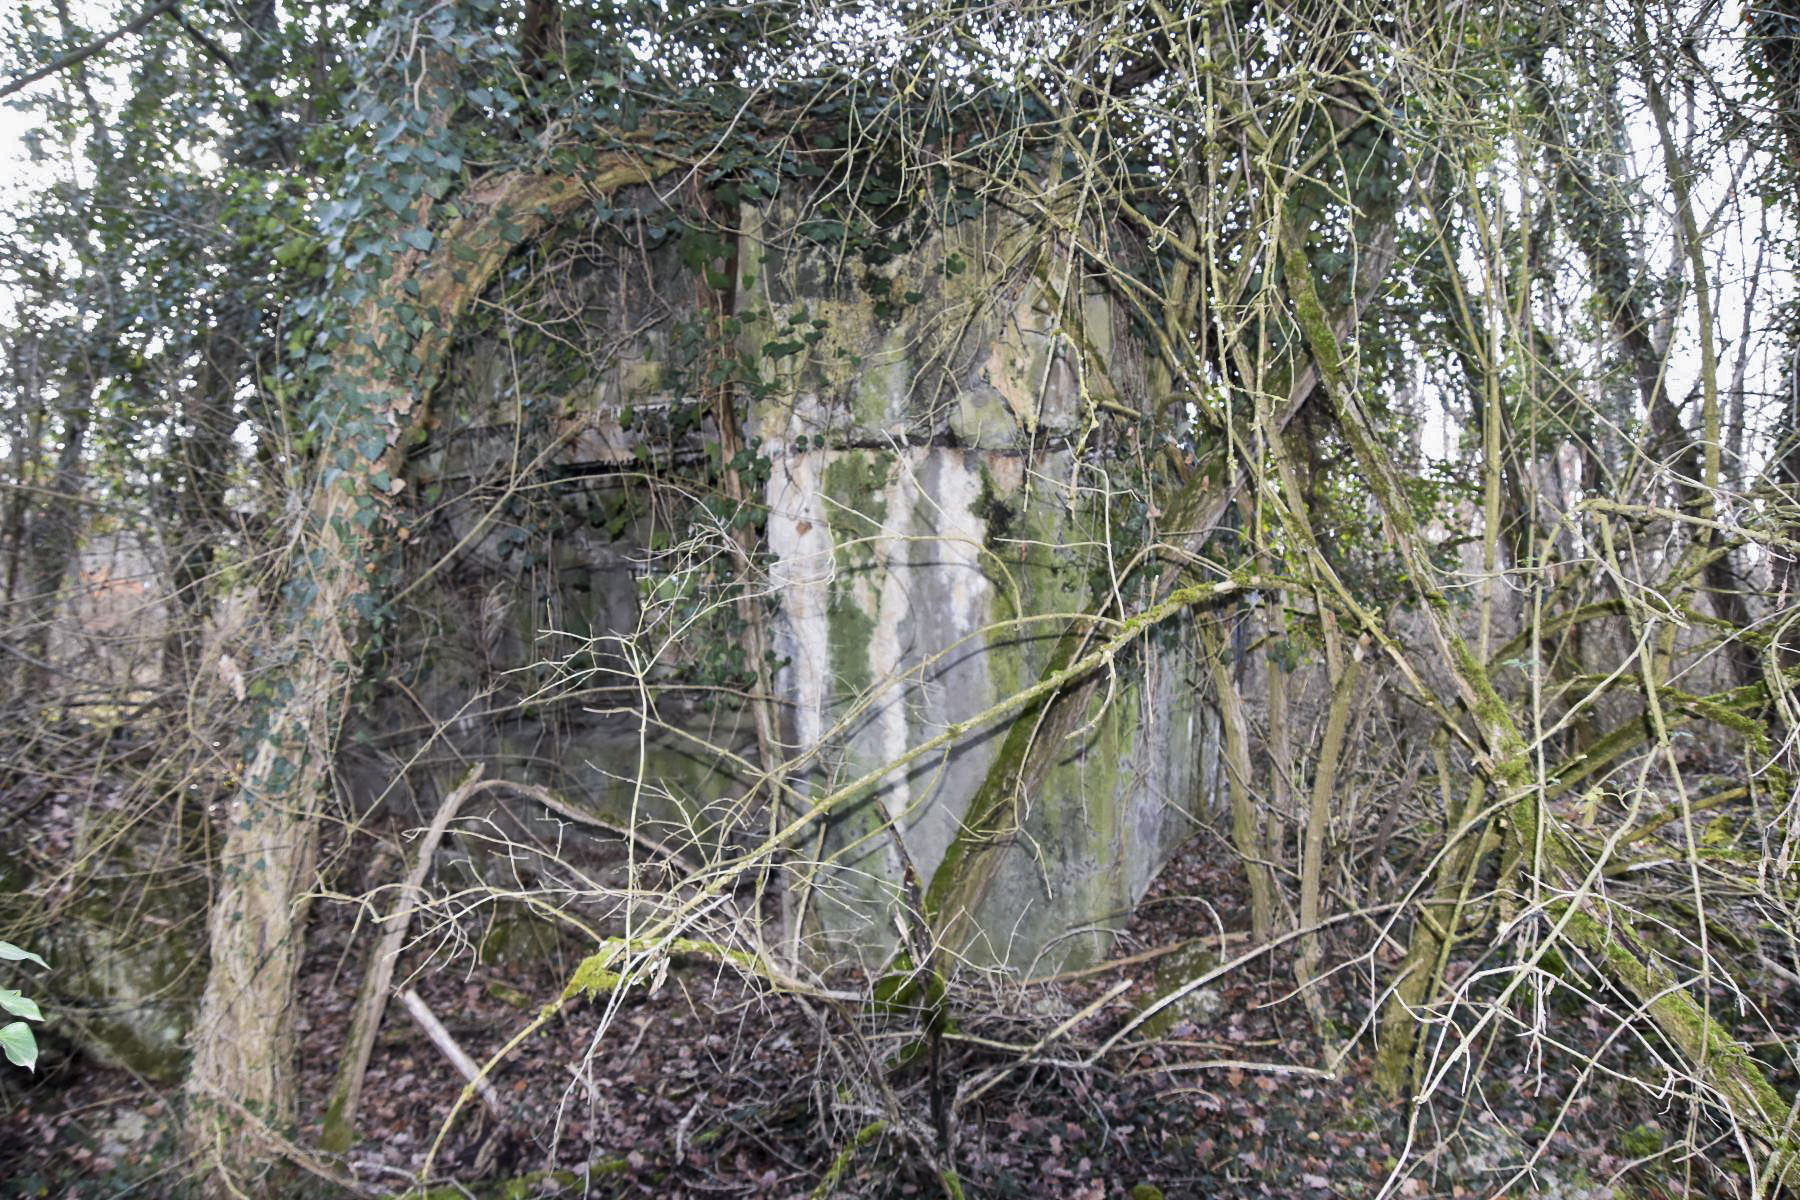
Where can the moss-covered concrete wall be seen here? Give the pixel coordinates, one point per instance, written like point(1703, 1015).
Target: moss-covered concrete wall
point(926, 432)
point(904, 574)
point(929, 496)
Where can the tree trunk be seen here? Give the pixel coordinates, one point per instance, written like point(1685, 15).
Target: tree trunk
point(1280, 739)
point(24, 436)
point(244, 1048)
point(51, 536)
point(1246, 823)
point(194, 480)
point(197, 470)
point(1342, 671)
point(1598, 230)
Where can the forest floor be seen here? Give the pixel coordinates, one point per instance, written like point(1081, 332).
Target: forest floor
point(712, 1088)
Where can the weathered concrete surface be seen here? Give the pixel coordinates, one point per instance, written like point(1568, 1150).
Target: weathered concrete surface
point(936, 511)
point(926, 501)
point(903, 575)
point(514, 652)
point(128, 955)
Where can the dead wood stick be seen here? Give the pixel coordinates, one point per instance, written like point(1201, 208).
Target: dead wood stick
point(1112, 964)
point(563, 808)
point(371, 999)
point(465, 1066)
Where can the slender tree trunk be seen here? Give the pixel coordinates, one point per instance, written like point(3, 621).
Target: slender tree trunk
point(194, 482)
point(1722, 587)
point(1246, 822)
point(1787, 473)
point(51, 536)
point(27, 413)
point(1281, 746)
point(200, 458)
point(1343, 670)
point(1598, 230)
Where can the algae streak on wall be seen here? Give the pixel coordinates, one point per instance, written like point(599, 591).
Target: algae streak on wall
point(927, 438)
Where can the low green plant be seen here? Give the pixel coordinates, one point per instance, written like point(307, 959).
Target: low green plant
point(16, 1038)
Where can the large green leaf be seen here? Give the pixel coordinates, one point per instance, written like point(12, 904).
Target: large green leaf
point(11, 953)
point(19, 1005)
point(19, 1044)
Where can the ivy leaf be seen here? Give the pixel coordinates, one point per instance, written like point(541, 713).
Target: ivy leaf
point(11, 953)
point(292, 250)
point(822, 231)
point(20, 1046)
point(20, 1005)
point(418, 239)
